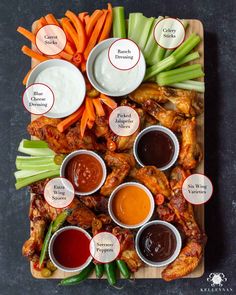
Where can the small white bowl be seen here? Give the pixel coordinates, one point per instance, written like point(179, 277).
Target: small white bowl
point(52, 257)
point(169, 133)
point(86, 152)
point(149, 194)
point(176, 252)
point(90, 70)
point(63, 64)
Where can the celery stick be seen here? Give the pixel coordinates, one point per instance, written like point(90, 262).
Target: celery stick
point(26, 173)
point(34, 144)
point(151, 42)
point(28, 180)
point(187, 58)
point(169, 51)
point(36, 163)
point(34, 151)
point(132, 22)
point(179, 75)
point(159, 67)
point(186, 46)
point(119, 25)
point(181, 70)
point(190, 85)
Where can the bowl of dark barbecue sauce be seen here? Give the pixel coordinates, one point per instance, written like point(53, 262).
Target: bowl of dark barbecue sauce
point(156, 146)
point(158, 243)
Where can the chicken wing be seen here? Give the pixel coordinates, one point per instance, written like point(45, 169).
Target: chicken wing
point(154, 179)
point(190, 152)
point(127, 250)
point(149, 91)
point(97, 203)
point(187, 102)
point(120, 163)
point(177, 177)
point(168, 118)
point(34, 126)
point(185, 263)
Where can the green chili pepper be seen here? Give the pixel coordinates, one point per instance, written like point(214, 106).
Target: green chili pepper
point(78, 278)
point(44, 249)
point(99, 270)
point(123, 268)
point(110, 269)
point(60, 219)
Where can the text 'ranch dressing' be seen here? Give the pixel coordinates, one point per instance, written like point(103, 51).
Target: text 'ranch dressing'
point(111, 78)
point(64, 84)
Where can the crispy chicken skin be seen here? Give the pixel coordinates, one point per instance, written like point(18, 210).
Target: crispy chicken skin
point(190, 152)
point(149, 91)
point(154, 179)
point(62, 143)
point(120, 163)
point(186, 102)
point(168, 118)
point(177, 177)
point(185, 263)
point(96, 203)
point(127, 250)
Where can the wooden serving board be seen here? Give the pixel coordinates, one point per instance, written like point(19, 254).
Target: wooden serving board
point(147, 272)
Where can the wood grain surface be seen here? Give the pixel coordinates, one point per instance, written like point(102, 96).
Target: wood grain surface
point(147, 272)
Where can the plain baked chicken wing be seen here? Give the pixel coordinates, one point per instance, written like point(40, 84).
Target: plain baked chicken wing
point(168, 118)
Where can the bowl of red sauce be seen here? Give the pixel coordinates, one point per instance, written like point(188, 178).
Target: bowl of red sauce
point(156, 146)
point(69, 249)
point(86, 170)
point(158, 243)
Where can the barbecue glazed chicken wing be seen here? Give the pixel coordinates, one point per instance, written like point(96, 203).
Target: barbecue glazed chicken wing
point(154, 179)
point(190, 152)
point(168, 118)
point(120, 163)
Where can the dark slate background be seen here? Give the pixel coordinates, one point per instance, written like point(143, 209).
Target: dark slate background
point(219, 21)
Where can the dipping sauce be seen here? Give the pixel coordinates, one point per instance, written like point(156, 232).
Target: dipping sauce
point(71, 248)
point(84, 172)
point(157, 243)
point(155, 148)
point(112, 79)
point(131, 205)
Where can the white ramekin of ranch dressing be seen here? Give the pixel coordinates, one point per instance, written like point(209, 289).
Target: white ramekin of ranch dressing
point(108, 79)
point(66, 82)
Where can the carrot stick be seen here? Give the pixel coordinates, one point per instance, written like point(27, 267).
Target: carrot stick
point(27, 51)
point(51, 20)
point(83, 123)
point(98, 107)
point(90, 108)
point(71, 31)
point(40, 23)
point(68, 37)
point(94, 37)
point(92, 21)
point(83, 66)
point(86, 19)
point(80, 30)
point(108, 101)
point(81, 16)
point(108, 24)
point(63, 125)
point(78, 58)
point(90, 124)
point(30, 36)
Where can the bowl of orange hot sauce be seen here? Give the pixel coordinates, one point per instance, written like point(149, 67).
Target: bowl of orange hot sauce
point(131, 205)
point(86, 170)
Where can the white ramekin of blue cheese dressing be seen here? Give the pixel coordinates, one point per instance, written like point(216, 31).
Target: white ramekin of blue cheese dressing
point(108, 79)
point(66, 82)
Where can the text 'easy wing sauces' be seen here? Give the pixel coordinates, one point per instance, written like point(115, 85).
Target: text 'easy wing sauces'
point(84, 172)
point(131, 205)
point(157, 243)
point(155, 148)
